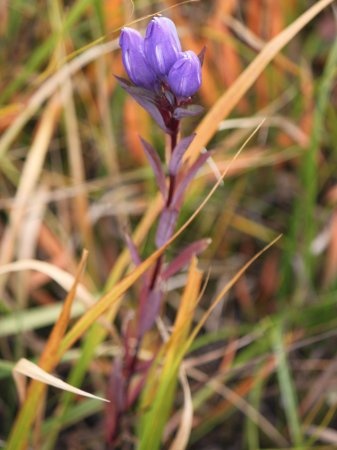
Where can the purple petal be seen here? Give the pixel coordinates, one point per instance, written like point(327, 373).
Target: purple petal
point(155, 163)
point(184, 258)
point(184, 77)
point(162, 45)
point(178, 153)
point(132, 45)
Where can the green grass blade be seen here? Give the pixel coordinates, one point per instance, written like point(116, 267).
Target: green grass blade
point(287, 388)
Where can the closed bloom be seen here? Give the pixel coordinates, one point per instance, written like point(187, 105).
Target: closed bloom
point(132, 45)
point(184, 77)
point(162, 45)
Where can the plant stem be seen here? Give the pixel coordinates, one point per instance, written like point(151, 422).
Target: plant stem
point(171, 188)
point(130, 367)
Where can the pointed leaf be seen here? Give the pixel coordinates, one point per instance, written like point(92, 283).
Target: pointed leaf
point(201, 55)
point(187, 111)
point(135, 90)
point(166, 225)
point(184, 257)
point(132, 249)
point(116, 396)
point(135, 391)
point(146, 99)
point(150, 312)
point(156, 165)
point(178, 153)
point(188, 177)
point(154, 112)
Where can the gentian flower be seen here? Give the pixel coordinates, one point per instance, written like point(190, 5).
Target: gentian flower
point(162, 45)
point(132, 45)
point(184, 77)
point(163, 76)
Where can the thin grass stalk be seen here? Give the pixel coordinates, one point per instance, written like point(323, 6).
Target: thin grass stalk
point(309, 171)
point(287, 387)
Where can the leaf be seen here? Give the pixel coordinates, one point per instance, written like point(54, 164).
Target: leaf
point(286, 384)
point(201, 55)
point(117, 401)
point(132, 249)
point(136, 90)
point(188, 177)
point(184, 257)
point(166, 225)
point(188, 111)
point(149, 313)
point(25, 368)
point(156, 165)
point(178, 153)
point(146, 99)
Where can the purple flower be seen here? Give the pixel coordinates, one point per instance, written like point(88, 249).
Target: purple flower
point(162, 45)
point(184, 77)
point(163, 77)
point(132, 45)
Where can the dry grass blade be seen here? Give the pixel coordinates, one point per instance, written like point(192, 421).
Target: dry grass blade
point(209, 125)
point(54, 340)
point(63, 278)
point(24, 368)
point(184, 430)
point(324, 434)
point(48, 360)
point(49, 88)
point(29, 178)
point(235, 397)
point(227, 287)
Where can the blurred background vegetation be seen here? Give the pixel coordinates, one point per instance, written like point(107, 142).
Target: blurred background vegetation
point(262, 371)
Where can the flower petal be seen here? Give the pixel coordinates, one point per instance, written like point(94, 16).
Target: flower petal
point(132, 45)
point(184, 77)
point(162, 45)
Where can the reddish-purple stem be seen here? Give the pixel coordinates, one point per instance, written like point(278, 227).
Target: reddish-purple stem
point(131, 365)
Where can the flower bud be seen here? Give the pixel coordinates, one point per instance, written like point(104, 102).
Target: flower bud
point(184, 77)
point(162, 45)
point(132, 45)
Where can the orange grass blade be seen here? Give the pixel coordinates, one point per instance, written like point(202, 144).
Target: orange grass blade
point(51, 348)
point(227, 287)
point(209, 125)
